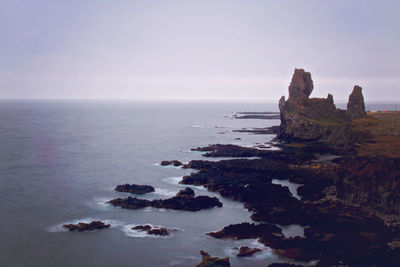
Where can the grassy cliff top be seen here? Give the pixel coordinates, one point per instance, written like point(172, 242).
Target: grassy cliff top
point(384, 131)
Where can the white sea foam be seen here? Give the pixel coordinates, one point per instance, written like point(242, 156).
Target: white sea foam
point(292, 186)
point(173, 180)
point(292, 230)
point(100, 203)
point(165, 192)
point(167, 166)
point(198, 126)
point(265, 252)
point(192, 151)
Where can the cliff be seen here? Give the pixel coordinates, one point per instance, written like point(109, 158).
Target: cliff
point(305, 119)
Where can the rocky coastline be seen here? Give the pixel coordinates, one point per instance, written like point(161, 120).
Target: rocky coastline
point(350, 203)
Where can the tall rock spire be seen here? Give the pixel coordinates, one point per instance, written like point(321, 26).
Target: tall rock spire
point(355, 106)
point(301, 86)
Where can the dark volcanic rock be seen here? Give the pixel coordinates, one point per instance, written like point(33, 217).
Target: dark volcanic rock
point(184, 200)
point(175, 163)
point(267, 130)
point(370, 182)
point(161, 231)
point(247, 252)
point(208, 261)
point(292, 155)
point(134, 188)
point(247, 231)
point(335, 233)
point(355, 106)
point(94, 225)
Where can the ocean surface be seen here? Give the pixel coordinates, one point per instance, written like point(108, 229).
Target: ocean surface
point(60, 161)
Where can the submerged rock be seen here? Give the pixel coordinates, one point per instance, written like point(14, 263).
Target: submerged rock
point(134, 188)
point(208, 261)
point(81, 226)
point(184, 200)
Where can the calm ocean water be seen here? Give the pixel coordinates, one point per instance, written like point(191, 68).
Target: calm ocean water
point(59, 163)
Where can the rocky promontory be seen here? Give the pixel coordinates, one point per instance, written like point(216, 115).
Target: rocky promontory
point(347, 165)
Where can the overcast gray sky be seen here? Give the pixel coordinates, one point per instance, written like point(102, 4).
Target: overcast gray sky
point(204, 49)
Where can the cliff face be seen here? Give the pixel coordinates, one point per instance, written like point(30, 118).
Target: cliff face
point(308, 119)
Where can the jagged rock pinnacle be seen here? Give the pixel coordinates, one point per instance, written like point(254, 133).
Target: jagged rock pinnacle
point(301, 86)
point(355, 106)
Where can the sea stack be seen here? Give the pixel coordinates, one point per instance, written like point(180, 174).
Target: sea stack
point(355, 106)
point(308, 119)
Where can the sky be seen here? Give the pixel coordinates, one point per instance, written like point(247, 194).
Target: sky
point(197, 50)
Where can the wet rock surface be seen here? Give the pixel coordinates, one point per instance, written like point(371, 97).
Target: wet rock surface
point(184, 200)
point(134, 188)
point(208, 261)
point(151, 230)
point(81, 226)
point(175, 163)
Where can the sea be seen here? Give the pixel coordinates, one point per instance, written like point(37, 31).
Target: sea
point(60, 161)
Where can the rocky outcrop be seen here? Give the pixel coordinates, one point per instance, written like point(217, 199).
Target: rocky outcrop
point(151, 230)
point(94, 225)
point(317, 119)
point(134, 188)
point(208, 261)
point(184, 200)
